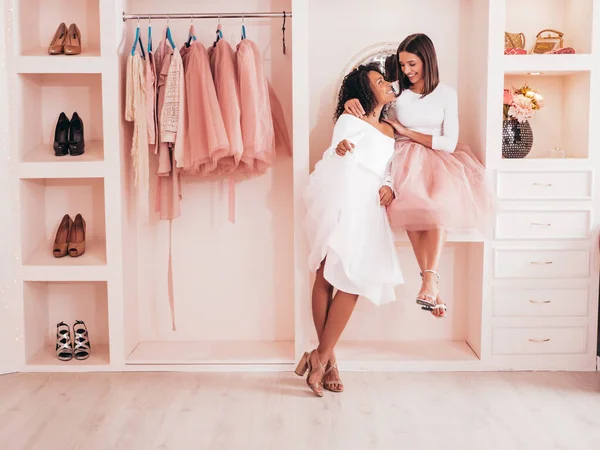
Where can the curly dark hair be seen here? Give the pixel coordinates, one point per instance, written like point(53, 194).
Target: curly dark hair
point(357, 85)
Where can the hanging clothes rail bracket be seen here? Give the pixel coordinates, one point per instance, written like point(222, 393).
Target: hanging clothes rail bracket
point(246, 15)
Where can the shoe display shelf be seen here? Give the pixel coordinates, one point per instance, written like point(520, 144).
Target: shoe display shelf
point(58, 104)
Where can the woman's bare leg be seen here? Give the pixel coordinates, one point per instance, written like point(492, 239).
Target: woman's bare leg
point(321, 299)
point(434, 241)
point(338, 316)
point(417, 240)
point(322, 295)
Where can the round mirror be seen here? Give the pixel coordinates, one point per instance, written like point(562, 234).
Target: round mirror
point(378, 53)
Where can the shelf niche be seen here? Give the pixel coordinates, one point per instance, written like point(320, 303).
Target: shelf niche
point(38, 22)
point(48, 303)
point(571, 17)
point(564, 121)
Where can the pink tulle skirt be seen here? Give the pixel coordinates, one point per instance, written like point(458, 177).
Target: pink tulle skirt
point(437, 189)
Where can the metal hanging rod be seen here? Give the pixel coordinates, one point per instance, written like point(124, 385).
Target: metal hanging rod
point(252, 15)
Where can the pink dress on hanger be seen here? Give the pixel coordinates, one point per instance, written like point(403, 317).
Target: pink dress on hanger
point(224, 71)
point(207, 141)
point(168, 189)
point(256, 120)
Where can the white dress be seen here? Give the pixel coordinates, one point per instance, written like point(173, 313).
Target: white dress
point(345, 221)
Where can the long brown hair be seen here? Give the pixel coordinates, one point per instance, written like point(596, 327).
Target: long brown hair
point(419, 44)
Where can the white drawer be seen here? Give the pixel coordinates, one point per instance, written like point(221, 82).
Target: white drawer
point(541, 263)
point(532, 341)
point(539, 302)
point(536, 185)
point(512, 224)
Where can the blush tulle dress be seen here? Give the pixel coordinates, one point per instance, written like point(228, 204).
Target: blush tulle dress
point(344, 220)
point(440, 187)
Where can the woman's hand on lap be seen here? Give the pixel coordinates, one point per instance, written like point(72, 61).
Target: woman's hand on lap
point(386, 195)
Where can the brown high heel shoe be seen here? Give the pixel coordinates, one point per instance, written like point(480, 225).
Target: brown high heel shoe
point(61, 241)
point(56, 47)
point(77, 237)
point(305, 365)
point(73, 41)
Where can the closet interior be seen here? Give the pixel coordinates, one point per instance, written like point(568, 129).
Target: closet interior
point(212, 290)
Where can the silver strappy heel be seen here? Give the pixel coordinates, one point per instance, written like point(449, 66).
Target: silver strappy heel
point(82, 341)
point(428, 301)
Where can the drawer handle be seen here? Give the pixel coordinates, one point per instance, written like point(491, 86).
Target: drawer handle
point(537, 224)
point(540, 302)
point(539, 263)
point(539, 340)
point(542, 184)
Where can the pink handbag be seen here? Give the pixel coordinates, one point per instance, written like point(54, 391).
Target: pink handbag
point(515, 51)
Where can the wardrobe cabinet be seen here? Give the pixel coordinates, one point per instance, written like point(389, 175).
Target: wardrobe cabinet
point(523, 297)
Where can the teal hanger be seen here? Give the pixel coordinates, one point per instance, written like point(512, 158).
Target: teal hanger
point(138, 39)
point(169, 37)
point(219, 33)
point(191, 32)
point(243, 29)
point(149, 35)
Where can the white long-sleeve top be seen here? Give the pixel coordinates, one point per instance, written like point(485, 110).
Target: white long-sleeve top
point(436, 114)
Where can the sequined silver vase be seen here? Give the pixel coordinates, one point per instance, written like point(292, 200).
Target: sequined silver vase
point(517, 139)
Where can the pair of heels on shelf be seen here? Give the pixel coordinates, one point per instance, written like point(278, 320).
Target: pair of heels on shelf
point(305, 366)
point(70, 237)
point(429, 302)
point(66, 41)
point(68, 136)
point(67, 348)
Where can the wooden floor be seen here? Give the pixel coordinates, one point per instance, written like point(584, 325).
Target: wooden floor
point(240, 411)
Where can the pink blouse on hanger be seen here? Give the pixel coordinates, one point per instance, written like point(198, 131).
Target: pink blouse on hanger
point(256, 121)
point(168, 189)
point(207, 141)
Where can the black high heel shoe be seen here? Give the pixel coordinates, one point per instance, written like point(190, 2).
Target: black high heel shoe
point(76, 140)
point(61, 136)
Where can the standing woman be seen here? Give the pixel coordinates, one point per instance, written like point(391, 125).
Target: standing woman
point(351, 244)
point(437, 181)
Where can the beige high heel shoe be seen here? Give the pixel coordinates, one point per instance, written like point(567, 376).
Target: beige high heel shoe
point(77, 237)
point(61, 241)
point(305, 365)
point(73, 41)
point(57, 44)
point(336, 384)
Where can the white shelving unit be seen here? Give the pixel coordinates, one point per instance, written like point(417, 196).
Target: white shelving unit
point(507, 312)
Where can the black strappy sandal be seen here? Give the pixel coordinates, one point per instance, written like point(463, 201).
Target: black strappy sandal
point(64, 346)
point(82, 341)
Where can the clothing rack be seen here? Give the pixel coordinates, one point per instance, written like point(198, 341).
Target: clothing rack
point(250, 15)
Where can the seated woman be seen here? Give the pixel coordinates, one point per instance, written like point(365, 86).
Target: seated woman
point(350, 239)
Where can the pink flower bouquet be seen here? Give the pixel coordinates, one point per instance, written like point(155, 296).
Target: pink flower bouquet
point(521, 104)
